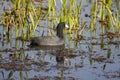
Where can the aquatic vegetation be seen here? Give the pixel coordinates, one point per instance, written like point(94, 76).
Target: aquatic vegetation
point(23, 16)
point(101, 11)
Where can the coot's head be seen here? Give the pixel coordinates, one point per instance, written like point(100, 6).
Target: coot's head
point(60, 27)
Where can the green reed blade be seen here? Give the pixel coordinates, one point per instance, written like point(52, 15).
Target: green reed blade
point(31, 18)
point(10, 74)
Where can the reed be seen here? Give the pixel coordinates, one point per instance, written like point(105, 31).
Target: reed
point(93, 15)
point(109, 19)
point(24, 16)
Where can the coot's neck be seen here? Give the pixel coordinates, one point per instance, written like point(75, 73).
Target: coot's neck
point(60, 28)
point(60, 34)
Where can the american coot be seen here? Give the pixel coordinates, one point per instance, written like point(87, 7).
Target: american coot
point(57, 40)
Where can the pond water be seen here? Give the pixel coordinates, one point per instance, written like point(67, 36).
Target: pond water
point(93, 58)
